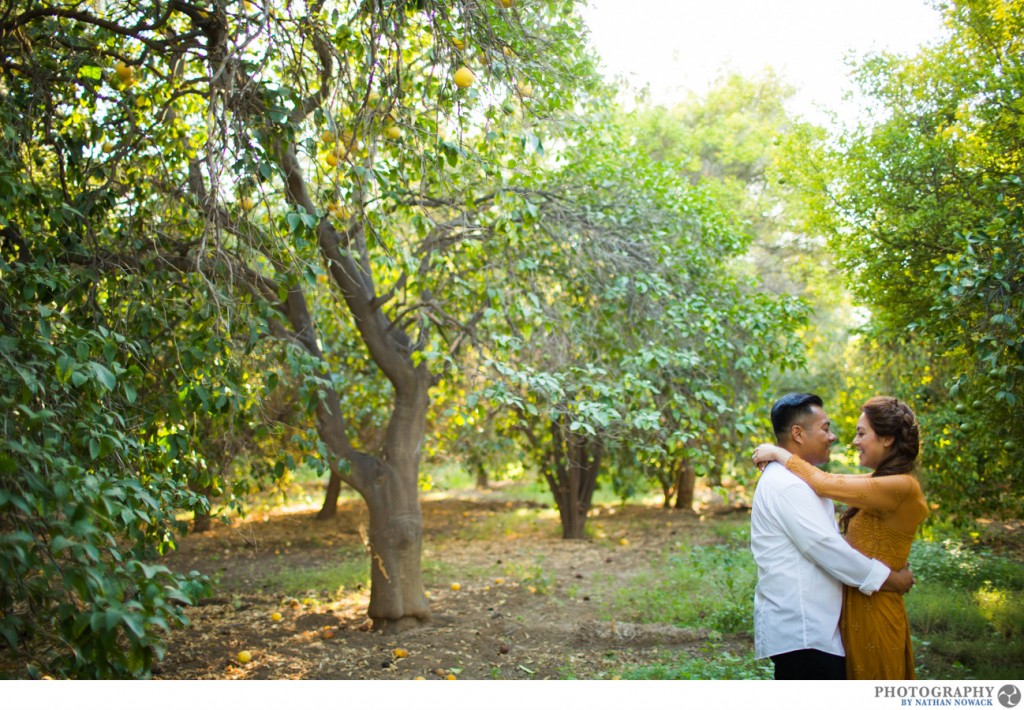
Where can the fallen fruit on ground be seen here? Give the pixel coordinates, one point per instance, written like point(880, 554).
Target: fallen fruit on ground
point(456, 586)
point(400, 653)
point(244, 656)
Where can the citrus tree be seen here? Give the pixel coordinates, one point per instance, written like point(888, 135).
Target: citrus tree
point(923, 204)
point(628, 334)
point(322, 175)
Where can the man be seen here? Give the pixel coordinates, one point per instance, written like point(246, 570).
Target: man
point(802, 561)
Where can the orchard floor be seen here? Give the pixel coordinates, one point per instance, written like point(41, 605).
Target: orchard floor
point(530, 605)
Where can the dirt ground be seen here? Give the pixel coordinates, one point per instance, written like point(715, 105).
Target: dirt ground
point(530, 605)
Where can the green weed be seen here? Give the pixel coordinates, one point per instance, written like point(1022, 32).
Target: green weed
point(330, 581)
point(531, 574)
point(954, 563)
point(710, 586)
point(966, 613)
point(713, 662)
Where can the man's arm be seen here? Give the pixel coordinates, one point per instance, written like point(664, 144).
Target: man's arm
point(816, 536)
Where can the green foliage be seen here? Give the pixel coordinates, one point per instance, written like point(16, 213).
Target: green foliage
point(965, 566)
point(628, 340)
point(86, 504)
point(712, 662)
point(710, 586)
point(967, 612)
point(922, 205)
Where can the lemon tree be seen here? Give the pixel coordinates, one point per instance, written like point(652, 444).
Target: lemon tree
point(273, 195)
point(922, 204)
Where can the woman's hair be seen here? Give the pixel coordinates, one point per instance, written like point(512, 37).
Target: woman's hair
point(890, 417)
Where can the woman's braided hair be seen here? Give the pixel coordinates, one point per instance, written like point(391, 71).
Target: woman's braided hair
point(890, 417)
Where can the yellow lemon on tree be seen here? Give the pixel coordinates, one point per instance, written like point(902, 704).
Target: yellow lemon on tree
point(108, 147)
point(393, 132)
point(464, 77)
point(247, 203)
point(124, 72)
point(506, 3)
point(327, 136)
point(332, 159)
point(458, 43)
point(524, 89)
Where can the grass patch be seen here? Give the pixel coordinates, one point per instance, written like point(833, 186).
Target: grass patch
point(966, 613)
point(712, 662)
point(711, 586)
point(531, 575)
point(331, 581)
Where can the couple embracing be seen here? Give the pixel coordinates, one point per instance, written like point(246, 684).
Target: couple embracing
point(825, 607)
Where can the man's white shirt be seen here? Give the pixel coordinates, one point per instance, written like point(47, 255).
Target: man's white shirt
point(802, 561)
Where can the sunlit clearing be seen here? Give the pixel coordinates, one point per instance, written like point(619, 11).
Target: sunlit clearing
point(993, 603)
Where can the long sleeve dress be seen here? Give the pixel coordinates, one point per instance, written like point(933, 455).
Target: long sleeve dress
point(875, 628)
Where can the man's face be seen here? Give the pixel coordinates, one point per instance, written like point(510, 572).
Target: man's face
point(816, 437)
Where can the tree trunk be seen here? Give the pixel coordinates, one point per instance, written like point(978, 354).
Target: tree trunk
point(685, 484)
point(202, 522)
point(572, 478)
point(392, 496)
point(397, 600)
point(330, 506)
point(482, 483)
point(476, 465)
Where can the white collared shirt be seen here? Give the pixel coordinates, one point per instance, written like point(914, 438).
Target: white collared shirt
point(802, 562)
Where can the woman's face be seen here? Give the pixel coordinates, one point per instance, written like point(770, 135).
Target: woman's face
point(873, 448)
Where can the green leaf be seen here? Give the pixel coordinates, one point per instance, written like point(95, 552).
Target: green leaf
point(104, 376)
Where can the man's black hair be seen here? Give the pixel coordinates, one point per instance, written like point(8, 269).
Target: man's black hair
point(790, 407)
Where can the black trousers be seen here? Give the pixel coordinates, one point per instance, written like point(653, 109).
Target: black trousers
point(809, 664)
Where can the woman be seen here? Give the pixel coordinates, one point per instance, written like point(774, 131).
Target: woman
point(886, 507)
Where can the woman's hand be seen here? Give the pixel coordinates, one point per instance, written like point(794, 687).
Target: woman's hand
point(765, 453)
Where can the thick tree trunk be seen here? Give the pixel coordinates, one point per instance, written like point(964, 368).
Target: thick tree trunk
point(397, 599)
point(685, 484)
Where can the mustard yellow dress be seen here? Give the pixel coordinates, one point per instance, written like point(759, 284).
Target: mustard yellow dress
point(875, 628)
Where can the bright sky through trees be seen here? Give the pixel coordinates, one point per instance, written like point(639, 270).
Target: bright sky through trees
point(675, 46)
